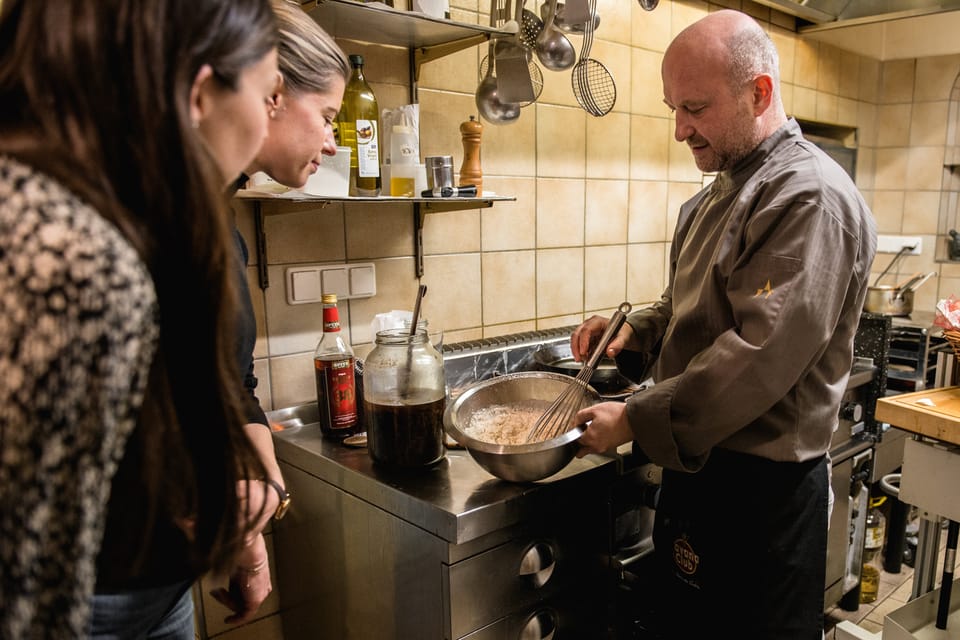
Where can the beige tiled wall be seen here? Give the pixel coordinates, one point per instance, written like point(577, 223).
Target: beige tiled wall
point(596, 198)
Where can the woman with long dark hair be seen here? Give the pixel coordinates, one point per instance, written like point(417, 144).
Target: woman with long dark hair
point(116, 299)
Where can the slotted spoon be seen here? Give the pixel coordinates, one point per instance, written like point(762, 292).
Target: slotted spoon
point(530, 27)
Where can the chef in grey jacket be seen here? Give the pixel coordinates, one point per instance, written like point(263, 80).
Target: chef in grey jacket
point(750, 347)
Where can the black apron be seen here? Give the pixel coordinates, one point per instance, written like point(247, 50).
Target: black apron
point(740, 549)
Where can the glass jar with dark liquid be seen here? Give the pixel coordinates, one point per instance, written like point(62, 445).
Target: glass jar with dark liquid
point(404, 397)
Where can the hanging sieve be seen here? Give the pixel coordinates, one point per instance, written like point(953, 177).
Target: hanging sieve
point(592, 84)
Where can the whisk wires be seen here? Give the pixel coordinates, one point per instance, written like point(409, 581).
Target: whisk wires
point(561, 415)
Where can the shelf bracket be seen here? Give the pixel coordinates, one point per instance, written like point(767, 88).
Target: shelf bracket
point(437, 205)
point(435, 52)
point(260, 239)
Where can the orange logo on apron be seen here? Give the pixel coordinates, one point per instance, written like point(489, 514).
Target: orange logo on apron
point(685, 557)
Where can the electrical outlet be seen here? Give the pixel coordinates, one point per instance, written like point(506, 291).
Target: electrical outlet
point(893, 244)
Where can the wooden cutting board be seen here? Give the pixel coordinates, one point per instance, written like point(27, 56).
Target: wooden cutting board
point(934, 413)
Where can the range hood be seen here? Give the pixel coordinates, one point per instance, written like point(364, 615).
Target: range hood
point(824, 11)
point(880, 29)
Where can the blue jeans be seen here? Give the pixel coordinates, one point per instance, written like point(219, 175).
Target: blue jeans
point(160, 613)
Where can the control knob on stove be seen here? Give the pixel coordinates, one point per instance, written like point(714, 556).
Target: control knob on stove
point(852, 411)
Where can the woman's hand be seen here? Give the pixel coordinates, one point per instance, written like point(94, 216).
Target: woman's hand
point(248, 584)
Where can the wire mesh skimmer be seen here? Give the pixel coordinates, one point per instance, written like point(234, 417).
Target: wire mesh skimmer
point(593, 85)
point(560, 416)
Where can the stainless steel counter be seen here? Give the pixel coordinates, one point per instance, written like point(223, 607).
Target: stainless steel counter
point(456, 499)
point(448, 552)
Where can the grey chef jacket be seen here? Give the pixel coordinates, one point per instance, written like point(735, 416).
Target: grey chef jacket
point(753, 336)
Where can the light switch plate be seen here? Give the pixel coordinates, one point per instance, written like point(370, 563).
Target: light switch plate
point(334, 280)
point(303, 285)
point(893, 244)
point(363, 281)
point(307, 283)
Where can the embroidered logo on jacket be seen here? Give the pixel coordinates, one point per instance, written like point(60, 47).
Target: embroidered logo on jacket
point(685, 557)
point(765, 290)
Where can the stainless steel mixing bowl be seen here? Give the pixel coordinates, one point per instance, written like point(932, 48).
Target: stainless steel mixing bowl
point(523, 462)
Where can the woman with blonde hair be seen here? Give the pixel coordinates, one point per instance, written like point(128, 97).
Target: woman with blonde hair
point(304, 107)
point(315, 72)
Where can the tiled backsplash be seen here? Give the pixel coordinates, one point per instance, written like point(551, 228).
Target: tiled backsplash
point(596, 198)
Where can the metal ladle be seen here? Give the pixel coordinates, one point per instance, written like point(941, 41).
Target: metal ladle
point(489, 105)
point(553, 48)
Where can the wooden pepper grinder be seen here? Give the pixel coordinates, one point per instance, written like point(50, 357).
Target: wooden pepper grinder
point(470, 172)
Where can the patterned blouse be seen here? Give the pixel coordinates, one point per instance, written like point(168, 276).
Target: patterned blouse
point(78, 331)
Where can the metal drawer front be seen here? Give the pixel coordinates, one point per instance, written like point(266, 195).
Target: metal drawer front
point(515, 578)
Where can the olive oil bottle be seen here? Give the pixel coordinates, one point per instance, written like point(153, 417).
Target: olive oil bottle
point(358, 127)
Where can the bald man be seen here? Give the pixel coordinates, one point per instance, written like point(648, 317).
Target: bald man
point(750, 348)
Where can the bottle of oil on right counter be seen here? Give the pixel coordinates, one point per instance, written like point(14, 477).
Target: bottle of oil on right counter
point(876, 526)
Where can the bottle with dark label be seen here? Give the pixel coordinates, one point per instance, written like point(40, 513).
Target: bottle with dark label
point(358, 127)
point(334, 366)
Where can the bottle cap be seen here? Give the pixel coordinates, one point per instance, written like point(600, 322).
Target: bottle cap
point(329, 298)
point(356, 59)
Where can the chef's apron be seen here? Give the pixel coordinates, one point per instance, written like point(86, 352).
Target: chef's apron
point(741, 549)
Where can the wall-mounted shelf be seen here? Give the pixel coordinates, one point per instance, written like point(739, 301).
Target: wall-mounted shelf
point(433, 204)
point(421, 207)
point(426, 37)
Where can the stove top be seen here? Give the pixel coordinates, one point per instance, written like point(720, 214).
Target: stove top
point(917, 319)
point(468, 362)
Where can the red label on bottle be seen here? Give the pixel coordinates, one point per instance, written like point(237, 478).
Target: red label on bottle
point(331, 319)
point(336, 394)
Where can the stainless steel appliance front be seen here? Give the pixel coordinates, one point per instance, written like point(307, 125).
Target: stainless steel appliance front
point(449, 552)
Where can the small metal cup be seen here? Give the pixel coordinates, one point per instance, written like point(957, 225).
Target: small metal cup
point(439, 172)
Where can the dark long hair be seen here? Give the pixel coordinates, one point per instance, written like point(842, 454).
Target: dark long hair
point(96, 95)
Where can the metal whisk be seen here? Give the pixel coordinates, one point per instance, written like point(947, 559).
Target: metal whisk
point(559, 416)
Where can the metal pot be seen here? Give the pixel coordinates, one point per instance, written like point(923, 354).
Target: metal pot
point(522, 462)
point(558, 358)
point(888, 300)
point(894, 300)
